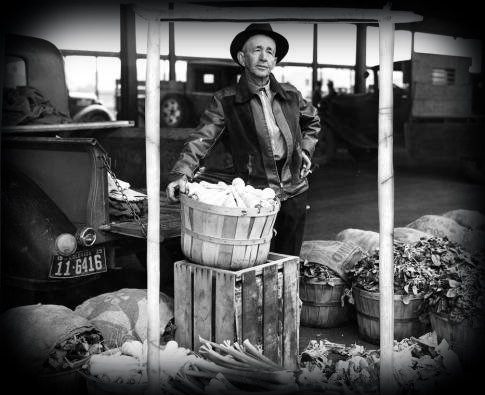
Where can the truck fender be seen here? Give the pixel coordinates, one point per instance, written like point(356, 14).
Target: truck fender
point(31, 222)
point(91, 114)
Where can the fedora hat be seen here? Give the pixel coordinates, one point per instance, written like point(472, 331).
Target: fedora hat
point(259, 28)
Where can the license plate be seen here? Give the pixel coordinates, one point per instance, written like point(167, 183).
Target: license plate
point(80, 264)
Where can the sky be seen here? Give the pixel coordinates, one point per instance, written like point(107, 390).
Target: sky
point(96, 27)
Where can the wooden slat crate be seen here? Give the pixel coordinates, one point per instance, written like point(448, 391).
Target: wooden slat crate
point(260, 304)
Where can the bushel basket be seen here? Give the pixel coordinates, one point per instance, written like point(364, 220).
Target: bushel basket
point(406, 316)
point(225, 237)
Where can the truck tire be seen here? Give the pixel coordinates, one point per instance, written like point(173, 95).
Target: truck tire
point(173, 111)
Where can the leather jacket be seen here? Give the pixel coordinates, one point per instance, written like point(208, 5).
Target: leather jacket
point(229, 117)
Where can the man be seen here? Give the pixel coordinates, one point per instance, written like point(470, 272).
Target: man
point(271, 131)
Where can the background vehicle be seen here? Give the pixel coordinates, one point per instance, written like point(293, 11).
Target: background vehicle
point(55, 182)
point(435, 117)
point(182, 103)
point(86, 107)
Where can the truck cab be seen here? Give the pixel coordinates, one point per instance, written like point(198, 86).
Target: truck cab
point(182, 103)
point(434, 118)
point(61, 242)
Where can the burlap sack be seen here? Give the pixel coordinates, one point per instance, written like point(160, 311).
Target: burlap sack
point(122, 315)
point(470, 219)
point(29, 334)
point(440, 226)
point(369, 240)
point(336, 255)
point(410, 235)
point(365, 239)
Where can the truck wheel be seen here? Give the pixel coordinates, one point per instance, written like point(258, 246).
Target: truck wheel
point(326, 147)
point(172, 111)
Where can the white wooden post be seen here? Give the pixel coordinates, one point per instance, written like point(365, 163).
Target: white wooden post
point(152, 144)
point(385, 179)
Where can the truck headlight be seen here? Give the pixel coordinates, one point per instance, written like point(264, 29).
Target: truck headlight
point(66, 244)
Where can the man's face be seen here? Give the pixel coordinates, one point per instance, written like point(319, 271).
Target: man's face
point(258, 56)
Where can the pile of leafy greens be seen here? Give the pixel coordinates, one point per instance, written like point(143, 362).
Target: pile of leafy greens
point(451, 279)
point(312, 272)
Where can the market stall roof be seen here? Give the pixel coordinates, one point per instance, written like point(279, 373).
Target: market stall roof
point(463, 21)
point(241, 12)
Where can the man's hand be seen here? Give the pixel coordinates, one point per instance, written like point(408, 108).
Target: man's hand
point(305, 166)
point(176, 187)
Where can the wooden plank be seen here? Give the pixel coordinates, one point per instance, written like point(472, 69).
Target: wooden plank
point(228, 231)
point(197, 226)
point(190, 12)
point(183, 304)
point(213, 227)
point(250, 308)
point(239, 252)
point(65, 127)
point(263, 249)
point(272, 345)
point(186, 219)
point(224, 309)
point(290, 303)
point(385, 182)
point(152, 147)
point(202, 305)
point(256, 252)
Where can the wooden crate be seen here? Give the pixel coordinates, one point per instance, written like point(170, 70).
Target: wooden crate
point(260, 304)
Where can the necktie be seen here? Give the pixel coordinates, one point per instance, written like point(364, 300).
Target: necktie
point(277, 142)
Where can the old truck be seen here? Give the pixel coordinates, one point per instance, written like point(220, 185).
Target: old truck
point(435, 119)
point(182, 103)
point(61, 241)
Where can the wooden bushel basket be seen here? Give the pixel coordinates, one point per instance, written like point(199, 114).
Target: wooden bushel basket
point(406, 316)
point(225, 237)
point(464, 339)
point(322, 304)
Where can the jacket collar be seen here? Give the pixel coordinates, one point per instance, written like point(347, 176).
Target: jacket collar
point(244, 93)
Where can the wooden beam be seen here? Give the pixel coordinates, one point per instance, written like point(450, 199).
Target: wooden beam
point(128, 110)
point(385, 177)
point(360, 59)
point(315, 57)
point(191, 12)
point(171, 49)
point(65, 127)
point(152, 144)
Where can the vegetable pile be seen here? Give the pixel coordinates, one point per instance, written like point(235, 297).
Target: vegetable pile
point(68, 353)
point(316, 272)
point(127, 364)
point(420, 366)
point(235, 195)
point(451, 279)
point(231, 368)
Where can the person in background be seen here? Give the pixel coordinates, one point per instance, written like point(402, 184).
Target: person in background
point(317, 94)
point(271, 129)
point(331, 90)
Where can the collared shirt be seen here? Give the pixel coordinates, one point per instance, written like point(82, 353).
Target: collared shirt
point(265, 95)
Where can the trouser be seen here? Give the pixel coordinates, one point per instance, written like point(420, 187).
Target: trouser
point(290, 226)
